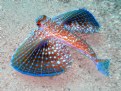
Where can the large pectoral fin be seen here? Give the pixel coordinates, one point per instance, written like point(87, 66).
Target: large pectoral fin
point(81, 21)
point(45, 57)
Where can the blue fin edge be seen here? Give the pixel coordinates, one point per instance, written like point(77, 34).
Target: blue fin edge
point(38, 75)
point(91, 15)
point(103, 66)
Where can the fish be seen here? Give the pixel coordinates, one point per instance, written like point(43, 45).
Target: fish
point(45, 52)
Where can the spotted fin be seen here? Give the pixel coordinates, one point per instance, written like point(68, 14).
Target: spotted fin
point(48, 57)
point(78, 21)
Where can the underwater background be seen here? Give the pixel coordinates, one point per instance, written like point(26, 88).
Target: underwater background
point(17, 20)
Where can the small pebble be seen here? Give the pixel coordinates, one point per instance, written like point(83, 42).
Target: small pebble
point(79, 66)
point(64, 1)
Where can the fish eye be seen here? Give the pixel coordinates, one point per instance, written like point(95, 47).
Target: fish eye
point(40, 20)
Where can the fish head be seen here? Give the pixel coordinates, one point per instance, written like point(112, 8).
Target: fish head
point(41, 20)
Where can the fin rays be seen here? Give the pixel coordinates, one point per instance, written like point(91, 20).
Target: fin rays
point(40, 55)
point(44, 59)
point(81, 21)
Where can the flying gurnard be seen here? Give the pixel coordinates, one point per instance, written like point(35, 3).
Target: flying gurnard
point(45, 52)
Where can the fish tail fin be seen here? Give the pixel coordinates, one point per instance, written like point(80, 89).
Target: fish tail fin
point(103, 66)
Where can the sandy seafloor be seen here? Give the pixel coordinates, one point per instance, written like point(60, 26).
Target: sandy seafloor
point(17, 20)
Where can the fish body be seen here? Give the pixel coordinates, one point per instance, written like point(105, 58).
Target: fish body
point(77, 43)
point(45, 52)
